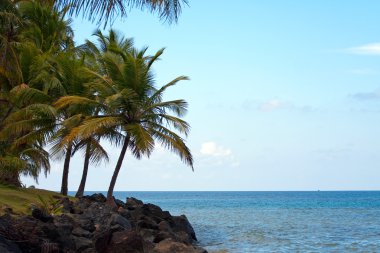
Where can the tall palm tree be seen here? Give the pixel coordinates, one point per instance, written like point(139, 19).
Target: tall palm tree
point(107, 10)
point(131, 105)
point(24, 133)
point(10, 24)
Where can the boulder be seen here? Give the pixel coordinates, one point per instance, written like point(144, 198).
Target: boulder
point(41, 215)
point(117, 219)
point(126, 242)
point(119, 203)
point(89, 226)
point(97, 197)
point(134, 202)
point(7, 246)
point(101, 239)
point(82, 243)
point(181, 223)
point(80, 232)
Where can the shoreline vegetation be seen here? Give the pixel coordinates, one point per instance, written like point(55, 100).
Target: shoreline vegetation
point(56, 223)
point(69, 98)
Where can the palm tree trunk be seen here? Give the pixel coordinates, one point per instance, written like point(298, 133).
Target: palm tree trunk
point(65, 175)
point(10, 178)
point(110, 201)
point(82, 184)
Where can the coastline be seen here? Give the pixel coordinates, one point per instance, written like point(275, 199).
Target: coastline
point(88, 225)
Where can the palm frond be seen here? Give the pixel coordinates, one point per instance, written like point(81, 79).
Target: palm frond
point(106, 11)
point(174, 143)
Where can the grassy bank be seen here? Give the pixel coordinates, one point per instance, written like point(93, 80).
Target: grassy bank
point(20, 199)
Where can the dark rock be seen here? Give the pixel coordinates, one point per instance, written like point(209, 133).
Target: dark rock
point(89, 225)
point(126, 242)
point(90, 250)
point(41, 215)
point(80, 232)
point(163, 235)
point(119, 203)
point(85, 223)
point(82, 243)
point(125, 213)
point(134, 202)
point(7, 210)
point(67, 205)
point(117, 219)
point(148, 234)
point(50, 247)
point(164, 226)
point(7, 246)
point(101, 240)
point(147, 223)
point(181, 223)
point(97, 197)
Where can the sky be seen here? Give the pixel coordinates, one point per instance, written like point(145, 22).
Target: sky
point(284, 95)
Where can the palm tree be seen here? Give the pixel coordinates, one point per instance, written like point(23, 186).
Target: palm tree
point(24, 133)
point(104, 11)
point(94, 153)
point(10, 23)
point(131, 105)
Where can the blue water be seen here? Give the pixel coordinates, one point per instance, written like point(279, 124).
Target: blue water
point(237, 222)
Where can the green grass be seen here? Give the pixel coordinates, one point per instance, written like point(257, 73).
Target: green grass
point(20, 199)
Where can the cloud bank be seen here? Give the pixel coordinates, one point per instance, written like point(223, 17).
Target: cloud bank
point(368, 49)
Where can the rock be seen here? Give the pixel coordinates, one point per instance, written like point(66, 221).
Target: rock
point(97, 197)
point(117, 219)
point(170, 246)
point(7, 246)
point(82, 243)
point(67, 204)
point(41, 215)
point(89, 226)
point(50, 247)
point(162, 235)
point(80, 232)
point(90, 250)
point(124, 212)
point(147, 223)
point(181, 223)
point(119, 203)
point(126, 242)
point(134, 202)
point(101, 240)
point(31, 187)
point(85, 223)
point(7, 209)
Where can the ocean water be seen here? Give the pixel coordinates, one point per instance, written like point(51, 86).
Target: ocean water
point(238, 222)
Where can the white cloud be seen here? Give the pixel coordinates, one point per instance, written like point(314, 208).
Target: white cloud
point(273, 104)
point(369, 49)
point(212, 149)
point(213, 155)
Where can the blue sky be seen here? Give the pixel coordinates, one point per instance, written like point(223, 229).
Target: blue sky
point(284, 95)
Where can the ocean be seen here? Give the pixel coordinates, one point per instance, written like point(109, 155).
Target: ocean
point(238, 222)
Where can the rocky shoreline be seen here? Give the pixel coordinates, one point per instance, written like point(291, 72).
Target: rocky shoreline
point(88, 225)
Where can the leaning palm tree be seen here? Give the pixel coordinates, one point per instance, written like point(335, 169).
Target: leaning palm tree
point(131, 105)
point(107, 10)
point(94, 153)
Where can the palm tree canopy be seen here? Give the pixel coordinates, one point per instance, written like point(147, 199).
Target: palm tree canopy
point(107, 10)
point(129, 103)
